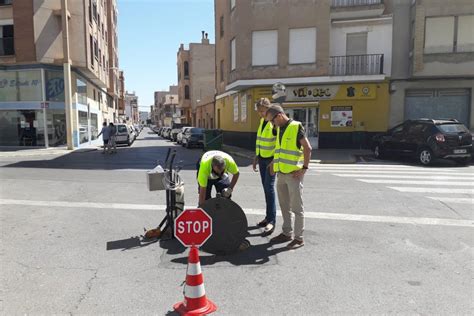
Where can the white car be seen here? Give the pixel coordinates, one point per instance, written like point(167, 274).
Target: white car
point(181, 134)
point(124, 135)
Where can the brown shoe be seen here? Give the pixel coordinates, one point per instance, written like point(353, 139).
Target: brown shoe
point(280, 239)
point(295, 244)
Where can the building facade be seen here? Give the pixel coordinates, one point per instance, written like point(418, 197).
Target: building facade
point(32, 55)
point(167, 108)
point(196, 77)
point(334, 58)
point(433, 65)
point(131, 107)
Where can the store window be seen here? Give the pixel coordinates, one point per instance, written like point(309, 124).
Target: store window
point(56, 122)
point(83, 127)
point(94, 126)
point(81, 86)
point(24, 85)
point(54, 86)
point(21, 128)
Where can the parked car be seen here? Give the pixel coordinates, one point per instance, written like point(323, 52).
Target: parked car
point(194, 137)
point(426, 140)
point(179, 138)
point(166, 132)
point(175, 131)
point(133, 133)
point(123, 135)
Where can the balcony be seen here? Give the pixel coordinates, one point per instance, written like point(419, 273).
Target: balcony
point(354, 9)
point(354, 65)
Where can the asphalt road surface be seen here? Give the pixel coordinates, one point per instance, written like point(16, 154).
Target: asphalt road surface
point(381, 238)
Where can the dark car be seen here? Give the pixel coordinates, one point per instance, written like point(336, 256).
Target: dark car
point(426, 140)
point(193, 137)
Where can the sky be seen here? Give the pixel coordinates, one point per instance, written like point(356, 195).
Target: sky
point(149, 35)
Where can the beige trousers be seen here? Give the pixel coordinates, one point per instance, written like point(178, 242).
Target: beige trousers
point(290, 197)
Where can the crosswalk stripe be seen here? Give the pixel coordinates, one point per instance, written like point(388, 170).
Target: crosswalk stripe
point(362, 175)
point(453, 200)
point(393, 172)
point(433, 190)
point(454, 183)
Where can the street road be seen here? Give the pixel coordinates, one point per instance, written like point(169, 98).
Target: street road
point(381, 237)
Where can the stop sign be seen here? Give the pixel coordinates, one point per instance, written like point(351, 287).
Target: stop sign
point(193, 227)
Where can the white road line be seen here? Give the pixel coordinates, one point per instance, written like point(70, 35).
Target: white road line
point(453, 183)
point(362, 175)
point(393, 172)
point(453, 200)
point(433, 190)
point(251, 211)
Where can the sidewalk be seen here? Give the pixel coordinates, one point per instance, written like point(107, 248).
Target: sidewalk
point(322, 156)
point(32, 151)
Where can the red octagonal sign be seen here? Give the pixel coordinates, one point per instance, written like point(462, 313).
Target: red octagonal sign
point(193, 227)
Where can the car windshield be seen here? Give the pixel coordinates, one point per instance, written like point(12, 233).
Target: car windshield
point(197, 130)
point(453, 128)
point(121, 129)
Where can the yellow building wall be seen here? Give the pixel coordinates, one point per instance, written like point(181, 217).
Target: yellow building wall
point(370, 110)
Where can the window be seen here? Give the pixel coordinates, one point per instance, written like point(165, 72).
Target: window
point(221, 23)
point(186, 92)
point(264, 48)
point(186, 69)
point(96, 49)
point(222, 71)
point(232, 54)
point(6, 40)
point(232, 4)
point(100, 59)
point(302, 46)
point(449, 34)
point(90, 11)
point(6, 2)
point(94, 9)
point(81, 87)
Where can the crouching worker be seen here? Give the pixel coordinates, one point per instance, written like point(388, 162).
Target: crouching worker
point(213, 170)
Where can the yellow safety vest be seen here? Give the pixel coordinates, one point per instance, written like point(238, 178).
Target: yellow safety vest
point(288, 157)
point(265, 144)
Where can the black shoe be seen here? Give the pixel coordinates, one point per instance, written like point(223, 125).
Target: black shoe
point(263, 223)
point(280, 239)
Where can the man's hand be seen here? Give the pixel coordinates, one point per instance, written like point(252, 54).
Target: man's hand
point(254, 165)
point(298, 174)
point(270, 169)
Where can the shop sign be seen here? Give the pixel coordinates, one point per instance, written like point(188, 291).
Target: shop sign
point(310, 93)
point(243, 107)
point(20, 85)
point(341, 116)
point(236, 108)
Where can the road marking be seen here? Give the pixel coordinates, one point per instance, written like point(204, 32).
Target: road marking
point(252, 211)
point(433, 190)
point(453, 200)
point(362, 175)
point(393, 172)
point(455, 183)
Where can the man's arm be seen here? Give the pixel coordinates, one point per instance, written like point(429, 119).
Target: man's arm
point(202, 195)
point(307, 157)
point(233, 182)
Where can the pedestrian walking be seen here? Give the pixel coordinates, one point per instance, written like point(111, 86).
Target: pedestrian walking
point(105, 132)
point(112, 139)
point(264, 151)
point(290, 162)
point(213, 170)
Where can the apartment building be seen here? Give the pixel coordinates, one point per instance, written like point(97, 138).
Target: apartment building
point(131, 107)
point(166, 108)
point(433, 63)
point(32, 54)
point(196, 78)
point(334, 58)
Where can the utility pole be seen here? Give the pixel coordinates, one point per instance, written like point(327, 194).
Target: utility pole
point(67, 75)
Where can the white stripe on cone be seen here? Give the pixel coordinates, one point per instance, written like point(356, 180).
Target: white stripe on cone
point(194, 268)
point(194, 291)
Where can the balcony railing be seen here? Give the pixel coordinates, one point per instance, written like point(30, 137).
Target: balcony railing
point(353, 3)
point(356, 65)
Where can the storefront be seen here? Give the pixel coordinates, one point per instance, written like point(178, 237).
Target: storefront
point(334, 116)
point(32, 110)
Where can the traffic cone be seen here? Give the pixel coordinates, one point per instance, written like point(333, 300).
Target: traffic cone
point(195, 301)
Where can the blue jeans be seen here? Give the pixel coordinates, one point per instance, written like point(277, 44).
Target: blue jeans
point(220, 185)
point(268, 182)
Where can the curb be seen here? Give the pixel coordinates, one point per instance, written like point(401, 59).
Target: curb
point(45, 152)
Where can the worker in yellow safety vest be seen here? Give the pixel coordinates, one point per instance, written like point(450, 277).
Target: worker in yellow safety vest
point(264, 151)
point(290, 162)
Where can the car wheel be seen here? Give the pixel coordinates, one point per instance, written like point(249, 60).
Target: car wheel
point(187, 145)
point(425, 156)
point(379, 152)
point(128, 142)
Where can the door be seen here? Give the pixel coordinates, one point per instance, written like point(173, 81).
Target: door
point(393, 140)
point(415, 136)
point(309, 118)
point(356, 53)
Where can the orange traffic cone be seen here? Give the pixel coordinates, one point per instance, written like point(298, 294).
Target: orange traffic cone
point(195, 301)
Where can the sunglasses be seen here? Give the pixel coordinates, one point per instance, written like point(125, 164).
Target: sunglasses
point(274, 117)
